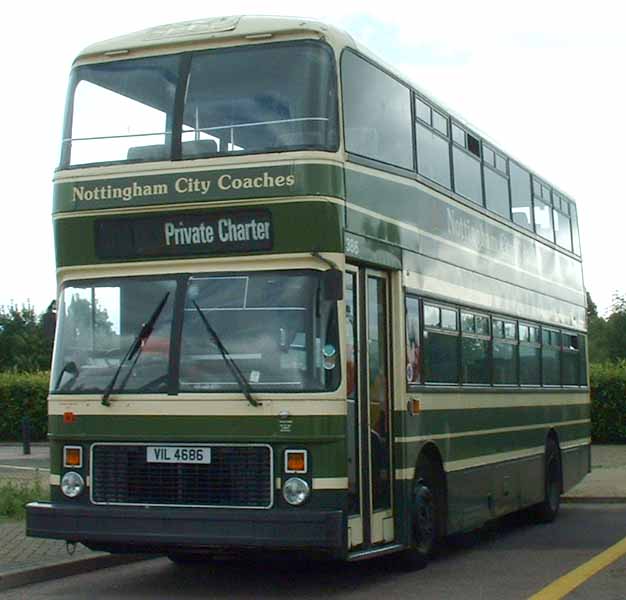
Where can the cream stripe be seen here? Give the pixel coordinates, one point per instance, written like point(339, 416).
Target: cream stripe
point(489, 459)
point(180, 206)
point(462, 434)
point(330, 483)
point(576, 444)
point(200, 265)
point(478, 461)
point(404, 474)
point(185, 167)
point(511, 399)
point(175, 406)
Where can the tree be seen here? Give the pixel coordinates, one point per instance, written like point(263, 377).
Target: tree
point(23, 343)
point(607, 336)
point(616, 329)
point(596, 329)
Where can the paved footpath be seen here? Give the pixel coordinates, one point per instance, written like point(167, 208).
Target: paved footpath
point(607, 479)
point(18, 552)
point(27, 560)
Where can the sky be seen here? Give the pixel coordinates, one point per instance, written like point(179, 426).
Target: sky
point(544, 80)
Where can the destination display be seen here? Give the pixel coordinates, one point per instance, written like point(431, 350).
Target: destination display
point(184, 234)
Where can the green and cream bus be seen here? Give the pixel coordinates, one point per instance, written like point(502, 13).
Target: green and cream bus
point(301, 306)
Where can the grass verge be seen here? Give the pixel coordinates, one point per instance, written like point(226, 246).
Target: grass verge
point(15, 495)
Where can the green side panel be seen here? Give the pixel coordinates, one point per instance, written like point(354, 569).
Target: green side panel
point(441, 422)
point(56, 457)
point(480, 493)
point(200, 186)
point(197, 428)
point(434, 422)
point(371, 227)
point(297, 227)
point(373, 251)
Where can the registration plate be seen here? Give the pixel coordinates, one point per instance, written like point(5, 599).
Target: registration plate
point(179, 454)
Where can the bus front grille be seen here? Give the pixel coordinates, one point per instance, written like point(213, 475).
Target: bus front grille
point(238, 476)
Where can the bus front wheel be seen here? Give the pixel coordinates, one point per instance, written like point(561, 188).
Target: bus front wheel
point(426, 515)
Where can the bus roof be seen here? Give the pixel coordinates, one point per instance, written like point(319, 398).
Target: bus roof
point(215, 30)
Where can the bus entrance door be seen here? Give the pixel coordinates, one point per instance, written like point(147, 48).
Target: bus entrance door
point(369, 407)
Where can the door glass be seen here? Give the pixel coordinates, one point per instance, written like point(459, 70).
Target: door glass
point(353, 412)
point(378, 392)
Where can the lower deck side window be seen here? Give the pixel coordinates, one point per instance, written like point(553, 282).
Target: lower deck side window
point(504, 363)
point(440, 357)
point(529, 364)
point(457, 346)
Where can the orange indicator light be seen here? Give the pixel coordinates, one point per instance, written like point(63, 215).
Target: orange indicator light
point(69, 418)
point(296, 461)
point(73, 456)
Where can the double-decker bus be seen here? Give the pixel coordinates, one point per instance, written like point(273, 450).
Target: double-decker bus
point(301, 306)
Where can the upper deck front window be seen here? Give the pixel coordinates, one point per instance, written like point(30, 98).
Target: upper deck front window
point(242, 100)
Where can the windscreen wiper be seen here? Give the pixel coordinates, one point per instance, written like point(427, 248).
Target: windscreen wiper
point(134, 351)
point(228, 359)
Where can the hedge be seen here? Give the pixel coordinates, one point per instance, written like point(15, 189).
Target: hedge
point(608, 402)
point(23, 394)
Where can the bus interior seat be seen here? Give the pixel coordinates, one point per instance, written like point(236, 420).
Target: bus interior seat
point(302, 138)
point(198, 148)
point(153, 152)
point(192, 149)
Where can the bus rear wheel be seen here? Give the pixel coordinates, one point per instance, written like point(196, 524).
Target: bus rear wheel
point(547, 510)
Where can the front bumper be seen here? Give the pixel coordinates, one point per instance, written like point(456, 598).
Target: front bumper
point(162, 530)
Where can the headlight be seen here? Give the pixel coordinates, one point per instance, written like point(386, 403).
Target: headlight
point(296, 491)
point(72, 484)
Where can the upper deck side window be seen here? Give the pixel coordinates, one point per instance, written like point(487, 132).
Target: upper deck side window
point(244, 100)
point(466, 164)
point(377, 111)
point(562, 224)
point(433, 149)
point(544, 225)
point(521, 200)
point(495, 175)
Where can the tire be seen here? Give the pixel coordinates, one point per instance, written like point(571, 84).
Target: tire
point(547, 510)
point(427, 515)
